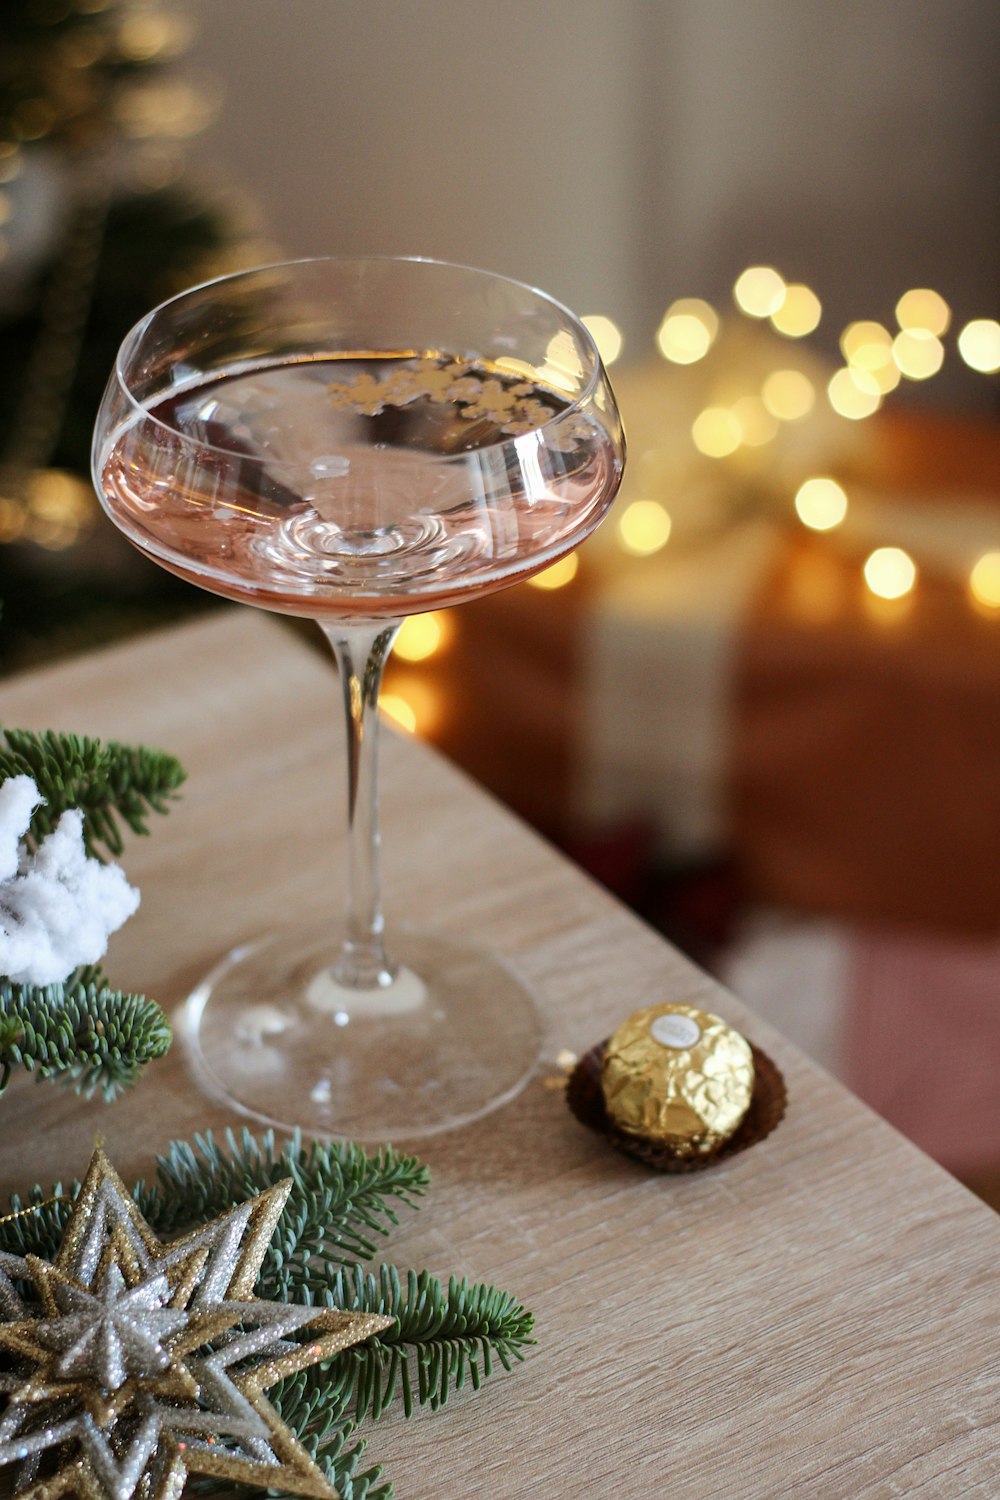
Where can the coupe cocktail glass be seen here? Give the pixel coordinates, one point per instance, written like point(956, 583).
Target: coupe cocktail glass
point(354, 441)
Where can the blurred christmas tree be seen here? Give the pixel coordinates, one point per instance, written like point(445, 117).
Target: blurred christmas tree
point(96, 227)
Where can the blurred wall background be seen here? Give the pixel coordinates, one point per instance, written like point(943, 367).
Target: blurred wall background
point(624, 152)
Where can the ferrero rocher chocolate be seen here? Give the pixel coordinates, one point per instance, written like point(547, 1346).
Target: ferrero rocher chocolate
point(678, 1076)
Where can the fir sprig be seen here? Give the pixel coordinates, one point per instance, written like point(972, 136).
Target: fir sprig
point(82, 1032)
point(441, 1339)
point(340, 1197)
point(107, 781)
point(444, 1337)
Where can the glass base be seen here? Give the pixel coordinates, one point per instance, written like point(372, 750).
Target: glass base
point(272, 1034)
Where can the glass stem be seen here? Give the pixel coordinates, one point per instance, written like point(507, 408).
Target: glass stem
point(361, 652)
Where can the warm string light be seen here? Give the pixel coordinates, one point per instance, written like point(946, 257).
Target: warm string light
point(644, 528)
point(55, 510)
point(759, 291)
point(688, 331)
point(417, 704)
point(420, 636)
point(396, 708)
point(918, 353)
point(94, 83)
point(717, 432)
point(875, 361)
point(413, 703)
point(562, 367)
point(853, 393)
point(788, 395)
point(606, 335)
point(820, 503)
point(923, 311)
point(890, 573)
point(758, 425)
point(164, 109)
point(984, 581)
point(979, 345)
point(558, 575)
point(867, 346)
point(799, 313)
point(101, 80)
point(145, 35)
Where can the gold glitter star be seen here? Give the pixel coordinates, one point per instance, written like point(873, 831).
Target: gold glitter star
point(150, 1360)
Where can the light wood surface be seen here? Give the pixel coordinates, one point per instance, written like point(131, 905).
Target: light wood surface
point(815, 1318)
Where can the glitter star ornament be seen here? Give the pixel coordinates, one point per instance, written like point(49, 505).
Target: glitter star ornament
point(142, 1362)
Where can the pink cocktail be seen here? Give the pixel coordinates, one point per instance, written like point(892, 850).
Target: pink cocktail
point(356, 441)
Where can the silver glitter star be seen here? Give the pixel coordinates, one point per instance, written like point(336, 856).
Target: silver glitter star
point(114, 1334)
point(149, 1362)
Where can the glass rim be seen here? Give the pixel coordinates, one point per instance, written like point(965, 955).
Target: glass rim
point(573, 407)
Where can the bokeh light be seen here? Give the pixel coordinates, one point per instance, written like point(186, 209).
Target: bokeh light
point(890, 572)
point(606, 335)
point(984, 580)
point(163, 107)
point(918, 354)
point(644, 527)
point(788, 395)
point(146, 35)
point(59, 509)
point(12, 519)
point(866, 345)
point(854, 393)
point(759, 291)
point(799, 312)
point(885, 377)
point(421, 635)
point(757, 424)
point(414, 701)
point(560, 573)
point(562, 367)
point(821, 504)
point(716, 432)
point(979, 345)
point(688, 330)
point(396, 708)
point(923, 309)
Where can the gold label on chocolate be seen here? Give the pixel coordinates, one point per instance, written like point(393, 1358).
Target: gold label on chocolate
point(680, 1076)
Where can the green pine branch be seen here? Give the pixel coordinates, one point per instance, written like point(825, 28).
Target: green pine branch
point(110, 783)
point(444, 1337)
point(340, 1197)
point(81, 1031)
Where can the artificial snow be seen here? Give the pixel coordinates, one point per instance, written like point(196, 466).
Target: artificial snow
point(57, 906)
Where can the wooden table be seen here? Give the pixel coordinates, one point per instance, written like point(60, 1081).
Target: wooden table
point(815, 1318)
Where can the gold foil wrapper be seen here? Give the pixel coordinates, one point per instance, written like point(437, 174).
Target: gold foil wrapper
point(679, 1076)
